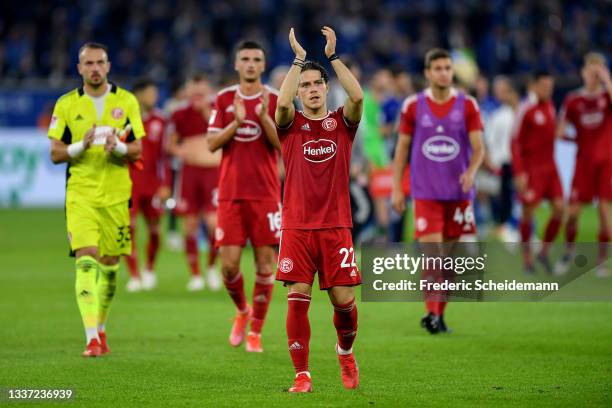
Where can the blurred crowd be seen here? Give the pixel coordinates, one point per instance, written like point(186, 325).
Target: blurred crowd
point(169, 39)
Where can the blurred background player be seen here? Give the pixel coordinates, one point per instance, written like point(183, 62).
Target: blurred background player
point(241, 126)
point(196, 198)
point(85, 132)
point(150, 185)
point(534, 168)
point(446, 124)
point(316, 150)
point(589, 111)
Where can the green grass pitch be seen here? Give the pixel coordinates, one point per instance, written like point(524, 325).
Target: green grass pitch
point(170, 348)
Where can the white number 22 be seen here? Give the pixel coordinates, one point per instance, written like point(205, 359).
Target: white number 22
point(347, 252)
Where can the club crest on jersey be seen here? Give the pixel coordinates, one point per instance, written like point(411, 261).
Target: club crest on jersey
point(441, 148)
point(117, 113)
point(248, 131)
point(329, 124)
point(320, 150)
point(285, 265)
point(539, 117)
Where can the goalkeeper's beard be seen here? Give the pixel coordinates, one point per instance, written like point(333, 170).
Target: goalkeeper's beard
point(96, 85)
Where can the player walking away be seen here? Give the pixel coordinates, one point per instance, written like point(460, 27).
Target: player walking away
point(150, 185)
point(199, 177)
point(87, 131)
point(316, 225)
point(534, 168)
point(444, 127)
point(249, 188)
point(589, 111)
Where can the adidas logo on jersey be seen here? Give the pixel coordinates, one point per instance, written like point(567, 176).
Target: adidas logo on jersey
point(79, 117)
point(440, 129)
point(305, 126)
point(295, 346)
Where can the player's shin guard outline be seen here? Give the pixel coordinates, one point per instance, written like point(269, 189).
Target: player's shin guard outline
point(87, 269)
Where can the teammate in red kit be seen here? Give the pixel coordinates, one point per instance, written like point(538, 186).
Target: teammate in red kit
point(533, 164)
point(150, 186)
point(316, 222)
point(444, 128)
point(241, 126)
point(199, 175)
point(589, 111)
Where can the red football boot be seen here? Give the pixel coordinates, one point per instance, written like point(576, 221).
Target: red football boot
point(302, 383)
point(103, 344)
point(348, 370)
point(93, 349)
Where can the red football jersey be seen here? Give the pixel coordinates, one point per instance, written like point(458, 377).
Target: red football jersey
point(317, 156)
point(591, 116)
point(155, 170)
point(188, 122)
point(249, 164)
point(408, 114)
point(533, 140)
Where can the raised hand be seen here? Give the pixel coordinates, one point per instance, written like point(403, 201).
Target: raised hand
point(330, 45)
point(295, 45)
point(262, 108)
point(239, 109)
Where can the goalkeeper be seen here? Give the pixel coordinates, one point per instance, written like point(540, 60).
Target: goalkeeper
point(96, 130)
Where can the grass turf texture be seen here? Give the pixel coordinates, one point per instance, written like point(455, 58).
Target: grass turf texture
point(170, 348)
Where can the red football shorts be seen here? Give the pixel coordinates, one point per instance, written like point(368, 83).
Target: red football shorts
point(197, 190)
point(147, 204)
point(327, 251)
point(451, 218)
point(542, 184)
point(591, 180)
point(239, 220)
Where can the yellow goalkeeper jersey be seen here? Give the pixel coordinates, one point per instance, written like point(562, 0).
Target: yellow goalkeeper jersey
point(96, 177)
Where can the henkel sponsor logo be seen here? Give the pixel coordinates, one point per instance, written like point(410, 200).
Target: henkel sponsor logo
point(441, 148)
point(320, 150)
point(248, 131)
point(591, 120)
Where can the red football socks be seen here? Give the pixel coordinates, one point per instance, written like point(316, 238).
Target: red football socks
point(235, 288)
point(262, 294)
point(345, 321)
point(298, 330)
point(191, 249)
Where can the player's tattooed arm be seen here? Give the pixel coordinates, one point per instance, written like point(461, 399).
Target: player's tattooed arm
point(266, 121)
point(402, 149)
point(478, 152)
point(353, 106)
point(285, 110)
point(217, 140)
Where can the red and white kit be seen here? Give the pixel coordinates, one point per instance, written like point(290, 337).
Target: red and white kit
point(316, 220)
point(249, 185)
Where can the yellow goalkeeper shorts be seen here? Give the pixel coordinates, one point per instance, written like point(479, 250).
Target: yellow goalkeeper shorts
point(107, 228)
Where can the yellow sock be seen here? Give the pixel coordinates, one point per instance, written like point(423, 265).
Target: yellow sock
point(87, 294)
point(107, 284)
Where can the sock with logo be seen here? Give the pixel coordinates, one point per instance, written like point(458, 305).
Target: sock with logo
point(87, 294)
point(107, 285)
point(298, 330)
point(345, 321)
point(262, 294)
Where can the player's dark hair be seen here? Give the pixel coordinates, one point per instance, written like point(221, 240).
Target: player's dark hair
point(435, 54)
point(94, 46)
point(540, 73)
point(198, 77)
point(249, 45)
point(142, 84)
point(315, 66)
